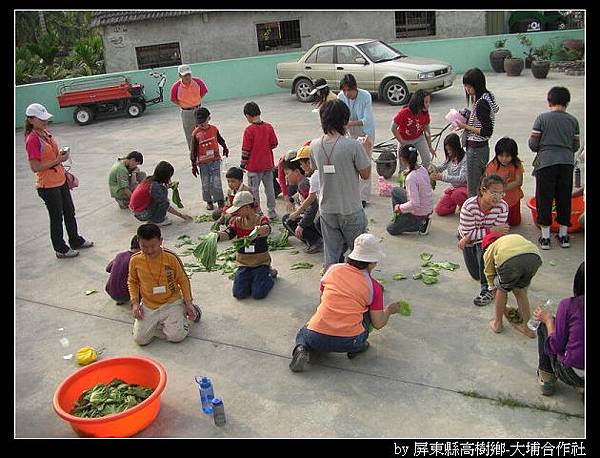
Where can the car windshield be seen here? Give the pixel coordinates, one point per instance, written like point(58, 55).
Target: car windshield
point(378, 51)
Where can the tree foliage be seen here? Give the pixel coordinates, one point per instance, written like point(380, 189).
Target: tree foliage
point(68, 47)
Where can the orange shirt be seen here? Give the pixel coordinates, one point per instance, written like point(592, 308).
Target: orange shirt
point(347, 294)
point(165, 270)
point(509, 174)
point(189, 96)
point(43, 148)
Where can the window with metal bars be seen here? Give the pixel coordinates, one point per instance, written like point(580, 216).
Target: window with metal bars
point(415, 23)
point(278, 35)
point(163, 55)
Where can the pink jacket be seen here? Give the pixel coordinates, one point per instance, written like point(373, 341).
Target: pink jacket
point(419, 193)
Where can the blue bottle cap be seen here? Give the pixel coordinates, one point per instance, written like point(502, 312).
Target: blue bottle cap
point(217, 401)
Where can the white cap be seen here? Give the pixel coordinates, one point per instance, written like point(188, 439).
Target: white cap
point(184, 70)
point(366, 249)
point(241, 198)
point(39, 111)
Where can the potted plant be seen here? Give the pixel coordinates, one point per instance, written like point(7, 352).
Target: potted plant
point(541, 60)
point(528, 45)
point(498, 55)
point(513, 66)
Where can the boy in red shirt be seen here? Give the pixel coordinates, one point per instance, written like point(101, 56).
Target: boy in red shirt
point(206, 158)
point(257, 155)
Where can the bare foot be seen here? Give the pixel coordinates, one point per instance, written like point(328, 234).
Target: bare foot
point(495, 326)
point(523, 329)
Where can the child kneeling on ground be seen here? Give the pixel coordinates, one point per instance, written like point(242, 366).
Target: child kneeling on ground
point(561, 340)
point(302, 222)
point(156, 284)
point(118, 268)
point(351, 301)
point(254, 276)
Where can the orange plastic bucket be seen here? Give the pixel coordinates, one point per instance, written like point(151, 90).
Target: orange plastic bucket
point(577, 209)
point(131, 369)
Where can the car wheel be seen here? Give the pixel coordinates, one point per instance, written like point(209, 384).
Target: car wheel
point(302, 89)
point(395, 92)
point(134, 109)
point(83, 116)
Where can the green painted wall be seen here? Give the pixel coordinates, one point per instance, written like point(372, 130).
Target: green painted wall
point(253, 76)
point(470, 52)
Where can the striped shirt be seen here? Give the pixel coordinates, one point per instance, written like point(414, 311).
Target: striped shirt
point(475, 223)
point(482, 117)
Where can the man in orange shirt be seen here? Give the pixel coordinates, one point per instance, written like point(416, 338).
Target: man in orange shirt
point(187, 93)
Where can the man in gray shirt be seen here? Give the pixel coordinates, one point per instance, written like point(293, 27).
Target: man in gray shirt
point(555, 139)
point(339, 161)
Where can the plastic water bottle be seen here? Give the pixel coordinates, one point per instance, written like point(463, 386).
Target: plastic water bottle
point(533, 324)
point(206, 394)
point(218, 412)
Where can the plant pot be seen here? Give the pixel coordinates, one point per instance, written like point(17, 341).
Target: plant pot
point(576, 45)
point(497, 59)
point(528, 61)
point(540, 68)
point(513, 66)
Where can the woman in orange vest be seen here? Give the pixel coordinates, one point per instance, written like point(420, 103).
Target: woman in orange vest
point(45, 160)
point(351, 301)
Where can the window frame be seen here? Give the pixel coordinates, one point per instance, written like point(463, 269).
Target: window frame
point(159, 63)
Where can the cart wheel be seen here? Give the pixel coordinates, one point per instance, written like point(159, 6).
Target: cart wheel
point(83, 116)
point(386, 164)
point(135, 109)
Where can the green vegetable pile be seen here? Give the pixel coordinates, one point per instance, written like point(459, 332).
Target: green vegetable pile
point(430, 270)
point(102, 400)
point(399, 276)
point(206, 251)
point(176, 199)
point(513, 315)
point(203, 219)
point(301, 265)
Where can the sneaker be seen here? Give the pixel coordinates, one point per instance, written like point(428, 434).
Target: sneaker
point(563, 241)
point(354, 354)
point(547, 382)
point(317, 247)
point(484, 298)
point(300, 357)
point(86, 244)
point(425, 228)
point(544, 243)
point(69, 254)
point(273, 214)
point(210, 206)
point(164, 222)
point(273, 273)
point(198, 313)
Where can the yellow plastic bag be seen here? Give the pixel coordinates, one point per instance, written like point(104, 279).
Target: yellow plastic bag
point(86, 355)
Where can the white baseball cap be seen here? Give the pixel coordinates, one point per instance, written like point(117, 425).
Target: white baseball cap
point(366, 249)
point(241, 199)
point(39, 111)
point(184, 70)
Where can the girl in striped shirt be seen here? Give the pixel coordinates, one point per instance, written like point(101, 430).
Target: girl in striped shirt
point(480, 215)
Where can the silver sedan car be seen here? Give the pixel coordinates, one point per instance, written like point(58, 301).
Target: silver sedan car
point(377, 67)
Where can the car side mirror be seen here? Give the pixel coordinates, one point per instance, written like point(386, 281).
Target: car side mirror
point(360, 60)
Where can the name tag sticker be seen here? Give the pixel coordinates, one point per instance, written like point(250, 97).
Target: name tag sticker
point(329, 168)
point(159, 290)
point(210, 152)
point(249, 249)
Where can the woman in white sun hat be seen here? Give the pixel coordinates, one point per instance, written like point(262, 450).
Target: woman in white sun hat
point(45, 160)
point(351, 301)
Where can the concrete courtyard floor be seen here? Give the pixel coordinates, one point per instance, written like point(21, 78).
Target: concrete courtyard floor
point(411, 383)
